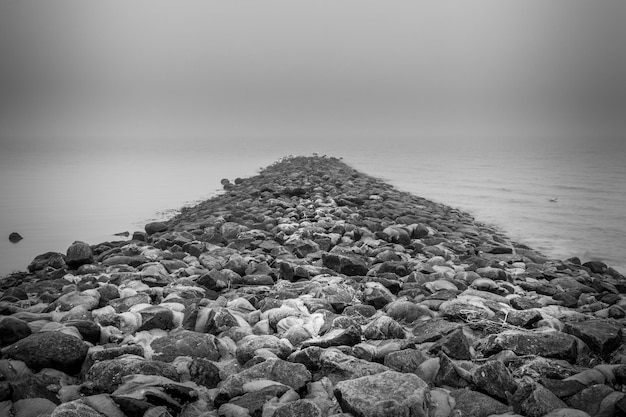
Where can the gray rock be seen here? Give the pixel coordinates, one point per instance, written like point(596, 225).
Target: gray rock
point(182, 342)
point(494, 379)
point(338, 366)
point(294, 375)
point(249, 345)
point(12, 329)
point(298, 408)
point(602, 336)
point(155, 227)
point(79, 253)
point(107, 376)
point(382, 328)
point(470, 403)
point(49, 350)
point(547, 344)
point(386, 393)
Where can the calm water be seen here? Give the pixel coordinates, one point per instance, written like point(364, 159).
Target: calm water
point(55, 196)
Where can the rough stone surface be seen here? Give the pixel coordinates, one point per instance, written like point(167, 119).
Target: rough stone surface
point(387, 393)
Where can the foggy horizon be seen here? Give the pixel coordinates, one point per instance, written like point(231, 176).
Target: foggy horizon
point(156, 70)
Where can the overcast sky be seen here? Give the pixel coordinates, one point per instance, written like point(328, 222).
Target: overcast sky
point(157, 68)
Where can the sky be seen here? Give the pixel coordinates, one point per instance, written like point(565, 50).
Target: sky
point(88, 70)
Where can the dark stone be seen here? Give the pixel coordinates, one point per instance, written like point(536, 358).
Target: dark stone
point(590, 398)
point(79, 253)
point(454, 344)
point(108, 375)
point(350, 265)
point(182, 342)
point(602, 336)
point(448, 375)
point(155, 227)
point(596, 267)
point(15, 237)
point(534, 400)
point(112, 352)
point(494, 379)
point(12, 330)
point(49, 350)
point(254, 401)
point(549, 345)
point(562, 388)
point(204, 372)
point(298, 408)
point(405, 360)
point(89, 330)
point(432, 330)
point(53, 260)
point(163, 320)
point(336, 337)
point(476, 404)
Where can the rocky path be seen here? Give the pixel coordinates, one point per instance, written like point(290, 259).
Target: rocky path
point(310, 290)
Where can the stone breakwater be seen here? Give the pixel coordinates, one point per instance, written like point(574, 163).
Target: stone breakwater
point(312, 290)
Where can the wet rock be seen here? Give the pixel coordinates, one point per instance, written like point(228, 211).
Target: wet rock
point(386, 393)
point(336, 337)
point(405, 360)
point(49, 350)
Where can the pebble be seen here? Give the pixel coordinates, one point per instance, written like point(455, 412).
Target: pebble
point(312, 289)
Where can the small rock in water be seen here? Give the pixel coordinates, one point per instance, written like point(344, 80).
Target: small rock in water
point(15, 237)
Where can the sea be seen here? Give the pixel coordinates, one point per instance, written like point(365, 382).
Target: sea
point(560, 196)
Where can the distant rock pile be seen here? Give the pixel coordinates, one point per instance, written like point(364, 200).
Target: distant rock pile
point(312, 290)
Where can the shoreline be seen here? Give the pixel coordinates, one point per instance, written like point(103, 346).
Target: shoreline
point(330, 275)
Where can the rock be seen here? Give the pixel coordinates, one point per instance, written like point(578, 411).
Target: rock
point(406, 311)
point(106, 376)
point(596, 267)
point(405, 360)
point(182, 342)
point(533, 400)
point(454, 345)
point(294, 375)
point(494, 379)
point(336, 337)
point(248, 346)
point(383, 328)
point(298, 408)
point(338, 366)
point(432, 330)
point(344, 263)
point(15, 237)
point(602, 336)
point(79, 253)
point(548, 344)
point(591, 400)
point(76, 408)
point(49, 350)
point(476, 404)
point(386, 393)
point(12, 329)
point(155, 227)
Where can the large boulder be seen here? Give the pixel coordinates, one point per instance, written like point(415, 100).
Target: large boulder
point(388, 393)
point(12, 329)
point(49, 350)
point(602, 336)
point(79, 253)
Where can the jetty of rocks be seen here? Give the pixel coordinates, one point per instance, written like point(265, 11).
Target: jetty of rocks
point(312, 290)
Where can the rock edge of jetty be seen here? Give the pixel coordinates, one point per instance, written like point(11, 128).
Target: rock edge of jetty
point(312, 289)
